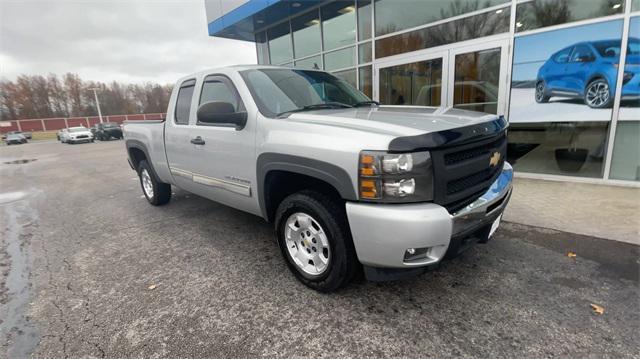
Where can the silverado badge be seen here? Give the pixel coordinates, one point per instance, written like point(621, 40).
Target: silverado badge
point(495, 159)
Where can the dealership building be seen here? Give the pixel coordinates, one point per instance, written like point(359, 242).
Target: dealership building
point(553, 68)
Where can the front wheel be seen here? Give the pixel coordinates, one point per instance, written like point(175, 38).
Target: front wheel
point(597, 94)
point(314, 237)
point(156, 192)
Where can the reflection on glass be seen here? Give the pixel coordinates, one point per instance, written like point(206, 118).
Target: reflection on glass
point(473, 27)
point(313, 63)
point(396, 15)
point(364, 19)
point(366, 81)
point(625, 163)
point(349, 76)
point(635, 5)
point(417, 83)
point(261, 48)
point(364, 53)
point(477, 80)
point(306, 34)
point(280, 44)
point(568, 74)
point(562, 148)
point(340, 59)
point(338, 24)
point(630, 102)
point(541, 13)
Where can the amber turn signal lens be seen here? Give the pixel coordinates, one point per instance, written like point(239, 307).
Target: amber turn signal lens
point(368, 189)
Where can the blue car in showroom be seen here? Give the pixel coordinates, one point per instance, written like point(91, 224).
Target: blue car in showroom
point(588, 70)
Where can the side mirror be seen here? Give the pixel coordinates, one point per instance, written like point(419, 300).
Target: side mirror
point(221, 113)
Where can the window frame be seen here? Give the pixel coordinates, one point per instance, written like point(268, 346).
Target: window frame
point(186, 83)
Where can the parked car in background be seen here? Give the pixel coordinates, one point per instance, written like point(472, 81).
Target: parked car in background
point(26, 135)
point(348, 184)
point(588, 70)
point(15, 139)
point(106, 131)
point(76, 135)
point(60, 134)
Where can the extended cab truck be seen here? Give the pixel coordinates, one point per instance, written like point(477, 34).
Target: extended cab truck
point(347, 183)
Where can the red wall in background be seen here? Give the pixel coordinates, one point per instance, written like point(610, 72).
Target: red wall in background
point(54, 124)
point(75, 122)
point(31, 125)
point(12, 126)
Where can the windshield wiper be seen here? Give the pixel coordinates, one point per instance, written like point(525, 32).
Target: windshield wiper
point(317, 106)
point(364, 103)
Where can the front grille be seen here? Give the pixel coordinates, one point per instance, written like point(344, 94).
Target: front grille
point(463, 172)
point(82, 136)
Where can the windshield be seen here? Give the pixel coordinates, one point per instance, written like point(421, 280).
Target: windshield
point(77, 129)
point(282, 90)
point(109, 124)
point(611, 48)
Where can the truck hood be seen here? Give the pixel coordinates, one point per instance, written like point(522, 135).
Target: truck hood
point(393, 121)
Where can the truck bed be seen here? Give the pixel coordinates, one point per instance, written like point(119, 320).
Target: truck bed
point(148, 136)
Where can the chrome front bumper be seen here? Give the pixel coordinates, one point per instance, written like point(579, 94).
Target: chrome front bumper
point(382, 233)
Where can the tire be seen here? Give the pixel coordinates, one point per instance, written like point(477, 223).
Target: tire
point(597, 94)
point(541, 93)
point(157, 193)
point(326, 222)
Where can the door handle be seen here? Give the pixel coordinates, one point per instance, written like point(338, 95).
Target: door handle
point(197, 141)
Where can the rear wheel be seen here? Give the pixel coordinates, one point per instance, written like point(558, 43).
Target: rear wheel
point(314, 237)
point(156, 192)
point(541, 93)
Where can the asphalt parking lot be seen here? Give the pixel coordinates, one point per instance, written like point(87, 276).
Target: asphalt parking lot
point(89, 269)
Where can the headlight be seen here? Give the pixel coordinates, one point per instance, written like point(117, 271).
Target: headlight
point(389, 177)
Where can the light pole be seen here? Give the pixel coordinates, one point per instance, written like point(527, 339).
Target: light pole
point(95, 94)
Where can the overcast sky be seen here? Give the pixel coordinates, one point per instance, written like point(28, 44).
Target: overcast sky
point(106, 40)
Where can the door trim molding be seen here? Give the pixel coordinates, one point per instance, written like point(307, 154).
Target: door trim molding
point(238, 188)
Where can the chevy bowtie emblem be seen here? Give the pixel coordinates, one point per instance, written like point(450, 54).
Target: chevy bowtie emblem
point(495, 159)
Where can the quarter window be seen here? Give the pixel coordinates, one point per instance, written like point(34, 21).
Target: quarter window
point(183, 103)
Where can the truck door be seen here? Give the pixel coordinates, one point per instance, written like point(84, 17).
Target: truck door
point(177, 136)
point(223, 161)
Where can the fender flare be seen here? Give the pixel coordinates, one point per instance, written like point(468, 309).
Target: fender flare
point(324, 171)
point(140, 146)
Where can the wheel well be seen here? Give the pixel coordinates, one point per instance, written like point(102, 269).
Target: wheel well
point(136, 156)
point(280, 184)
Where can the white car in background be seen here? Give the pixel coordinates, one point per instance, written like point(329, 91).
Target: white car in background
point(76, 135)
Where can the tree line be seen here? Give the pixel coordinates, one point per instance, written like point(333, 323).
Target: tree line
point(36, 96)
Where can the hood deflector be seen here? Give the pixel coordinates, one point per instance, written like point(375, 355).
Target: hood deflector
point(446, 138)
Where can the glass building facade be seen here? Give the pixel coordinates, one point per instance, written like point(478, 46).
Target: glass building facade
point(565, 73)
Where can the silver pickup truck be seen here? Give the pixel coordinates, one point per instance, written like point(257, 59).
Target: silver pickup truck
point(351, 186)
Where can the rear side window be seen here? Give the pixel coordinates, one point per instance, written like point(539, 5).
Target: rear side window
point(219, 89)
point(183, 103)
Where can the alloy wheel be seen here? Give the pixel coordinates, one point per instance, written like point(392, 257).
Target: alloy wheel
point(307, 244)
point(598, 93)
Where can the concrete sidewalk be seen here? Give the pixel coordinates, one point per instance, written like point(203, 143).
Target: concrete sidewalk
point(595, 210)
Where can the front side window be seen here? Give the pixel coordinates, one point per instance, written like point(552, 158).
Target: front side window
point(183, 103)
point(216, 88)
point(562, 56)
point(582, 53)
point(282, 90)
